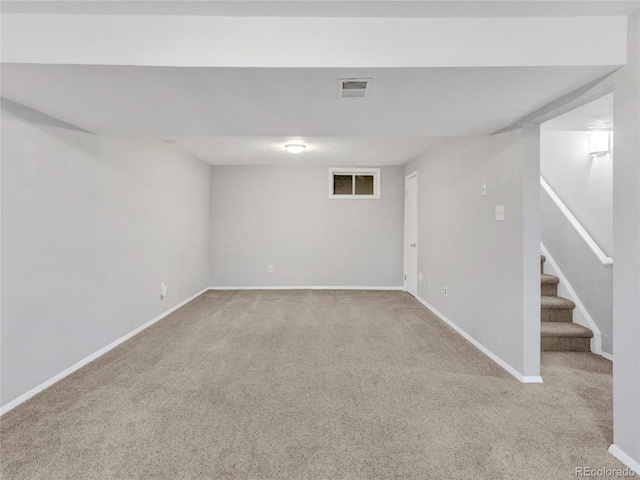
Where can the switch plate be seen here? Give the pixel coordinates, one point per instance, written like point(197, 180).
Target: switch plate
point(420, 277)
point(499, 212)
point(269, 268)
point(483, 189)
point(163, 291)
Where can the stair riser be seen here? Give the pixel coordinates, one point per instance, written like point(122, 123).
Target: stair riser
point(556, 315)
point(549, 289)
point(565, 344)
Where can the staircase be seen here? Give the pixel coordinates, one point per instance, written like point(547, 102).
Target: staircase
point(557, 330)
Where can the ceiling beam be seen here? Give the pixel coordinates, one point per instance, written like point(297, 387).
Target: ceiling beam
point(190, 41)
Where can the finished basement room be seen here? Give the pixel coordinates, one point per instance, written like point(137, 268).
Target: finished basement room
point(320, 239)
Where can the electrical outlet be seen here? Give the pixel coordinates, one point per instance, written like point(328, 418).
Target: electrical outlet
point(269, 268)
point(483, 189)
point(499, 212)
point(446, 291)
point(420, 277)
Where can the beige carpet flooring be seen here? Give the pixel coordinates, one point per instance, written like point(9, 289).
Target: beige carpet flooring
point(310, 384)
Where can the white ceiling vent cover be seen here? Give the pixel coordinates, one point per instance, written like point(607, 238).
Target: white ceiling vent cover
point(353, 87)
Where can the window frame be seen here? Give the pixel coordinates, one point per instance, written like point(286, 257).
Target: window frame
point(375, 172)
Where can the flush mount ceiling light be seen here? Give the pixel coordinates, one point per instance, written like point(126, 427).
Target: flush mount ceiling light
point(598, 143)
point(295, 147)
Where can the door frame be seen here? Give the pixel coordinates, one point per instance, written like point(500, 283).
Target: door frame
point(404, 265)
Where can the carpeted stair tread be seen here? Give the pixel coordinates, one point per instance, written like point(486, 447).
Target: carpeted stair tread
point(557, 331)
point(559, 303)
point(549, 279)
point(564, 329)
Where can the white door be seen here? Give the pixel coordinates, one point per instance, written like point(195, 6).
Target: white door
point(411, 234)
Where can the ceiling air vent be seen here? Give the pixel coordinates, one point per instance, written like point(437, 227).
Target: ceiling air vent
point(353, 87)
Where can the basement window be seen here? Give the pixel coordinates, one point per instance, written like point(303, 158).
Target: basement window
point(354, 183)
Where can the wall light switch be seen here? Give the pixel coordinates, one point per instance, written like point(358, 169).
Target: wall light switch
point(420, 277)
point(163, 291)
point(269, 268)
point(483, 189)
point(499, 212)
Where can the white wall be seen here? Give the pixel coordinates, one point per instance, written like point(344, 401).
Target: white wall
point(582, 182)
point(479, 259)
point(626, 238)
point(283, 216)
point(91, 226)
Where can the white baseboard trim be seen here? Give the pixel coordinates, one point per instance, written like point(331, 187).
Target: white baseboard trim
point(606, 355)
point(624, 458)
point(312, 287)
point(482, 348)
point(26, 396)
point(596, 341)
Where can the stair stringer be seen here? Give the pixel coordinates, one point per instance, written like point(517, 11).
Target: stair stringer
point(580, 314)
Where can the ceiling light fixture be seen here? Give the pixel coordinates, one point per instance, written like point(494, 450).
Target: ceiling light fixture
point(295, 147)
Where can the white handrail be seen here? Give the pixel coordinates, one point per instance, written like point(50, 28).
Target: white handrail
point(604, 259)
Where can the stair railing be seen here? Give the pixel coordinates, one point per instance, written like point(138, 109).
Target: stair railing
point(604, 259)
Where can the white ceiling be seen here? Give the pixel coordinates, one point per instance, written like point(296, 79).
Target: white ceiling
point(194, 80)
point(330, 8)
point(596, 115)
point(328, 151)
point(197, 106)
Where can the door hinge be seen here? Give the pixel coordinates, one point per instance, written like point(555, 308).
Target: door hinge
point(405, 277)
point(406, 193)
